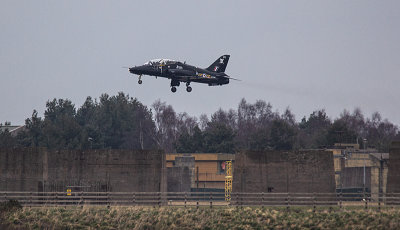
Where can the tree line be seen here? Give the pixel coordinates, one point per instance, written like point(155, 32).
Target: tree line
point(123, 122)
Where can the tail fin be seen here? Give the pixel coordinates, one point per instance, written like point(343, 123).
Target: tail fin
point(220, 64)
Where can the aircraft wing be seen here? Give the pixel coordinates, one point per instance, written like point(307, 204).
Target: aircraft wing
point(226, 76)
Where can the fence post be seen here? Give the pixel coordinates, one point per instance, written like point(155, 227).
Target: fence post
point(241, 201)
point(108, 200)
point(197, 201)
point(81, 201)
point(288, 202)
point(159, 199)
point(340, 199)
point(134, 199)
point(262, 199)
point(237, 201)
point(379, 201)
point(30, 200)
point(56, 199)
point(211, 199)
point(185, 199)
point(392, 199)
point(314, 202)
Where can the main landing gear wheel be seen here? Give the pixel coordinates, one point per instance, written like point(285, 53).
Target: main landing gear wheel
point(140, 82)
point(188, 88)
point(173, 89)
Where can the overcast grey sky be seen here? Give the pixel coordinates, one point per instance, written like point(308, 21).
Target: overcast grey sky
point(305, 55)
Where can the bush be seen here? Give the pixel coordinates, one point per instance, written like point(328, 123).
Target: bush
point(202, 218)
point(10, 206)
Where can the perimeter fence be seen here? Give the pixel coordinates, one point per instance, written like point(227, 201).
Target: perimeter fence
point(198, 199)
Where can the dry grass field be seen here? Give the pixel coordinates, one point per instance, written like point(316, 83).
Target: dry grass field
point(202, 218)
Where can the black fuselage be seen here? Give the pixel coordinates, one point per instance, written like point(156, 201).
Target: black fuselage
point(182, 72)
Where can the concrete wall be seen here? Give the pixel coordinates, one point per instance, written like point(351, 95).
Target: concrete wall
point(21, 170)
point(38, 169)
point(180, 177)
point(393, 181)
point(188, 162)
point(284, 171)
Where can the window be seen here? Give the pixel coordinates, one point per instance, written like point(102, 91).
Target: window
point(221, 167)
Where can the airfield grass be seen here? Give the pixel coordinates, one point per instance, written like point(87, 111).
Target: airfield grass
point(203, 218)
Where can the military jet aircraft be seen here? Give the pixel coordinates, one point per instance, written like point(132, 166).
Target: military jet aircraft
point(181, 72)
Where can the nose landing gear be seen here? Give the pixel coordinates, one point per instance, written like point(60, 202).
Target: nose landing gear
point(140, 80)
point(173, 89)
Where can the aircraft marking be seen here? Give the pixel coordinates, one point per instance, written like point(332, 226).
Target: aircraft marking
point(204, 75)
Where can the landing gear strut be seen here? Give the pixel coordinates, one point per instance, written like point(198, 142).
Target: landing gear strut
point(188, 88)
point(140, 80)
point(173, 84)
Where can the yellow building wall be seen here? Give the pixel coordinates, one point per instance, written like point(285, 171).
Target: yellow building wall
point(336, 163)
point(337, 180)
point(384, 179)
point(359, 160)
point(374, 181)
point(208, 168)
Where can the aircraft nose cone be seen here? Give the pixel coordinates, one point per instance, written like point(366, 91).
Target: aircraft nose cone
point(138, 70)
point(132, 70)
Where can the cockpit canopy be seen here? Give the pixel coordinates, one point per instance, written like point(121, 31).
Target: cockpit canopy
point(157, 62)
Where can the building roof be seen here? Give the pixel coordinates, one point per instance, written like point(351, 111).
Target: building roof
point(346, 146)
point(12, 129)
point(203, 156)
point(384, 156)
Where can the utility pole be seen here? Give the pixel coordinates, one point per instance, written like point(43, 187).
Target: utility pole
point(141, 135)
point(365, 152)
point(380, 190)
point(197, 174)
point(91, 142)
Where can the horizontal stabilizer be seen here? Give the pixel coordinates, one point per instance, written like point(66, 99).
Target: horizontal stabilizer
point(232, 78)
